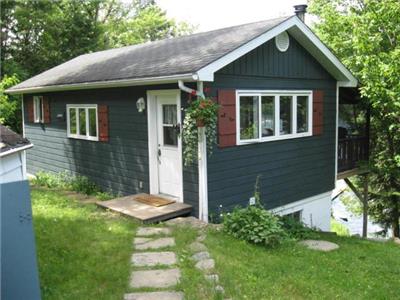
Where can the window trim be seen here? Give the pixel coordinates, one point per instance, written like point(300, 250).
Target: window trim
point(35, 116)
point(79, 136)
point(276, 93)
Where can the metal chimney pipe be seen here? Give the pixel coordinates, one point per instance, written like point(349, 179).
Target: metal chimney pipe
point(300, 11)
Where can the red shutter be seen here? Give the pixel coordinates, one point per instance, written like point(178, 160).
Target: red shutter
point(29, 108)
point(318, 112)
point(227, 118)
point(46, 109)
point(103, 123)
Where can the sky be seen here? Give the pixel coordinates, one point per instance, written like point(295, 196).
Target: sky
point(213, 14)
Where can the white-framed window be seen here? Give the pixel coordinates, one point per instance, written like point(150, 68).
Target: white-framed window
point(82, 121)
point(38, 110)
point(272, 115)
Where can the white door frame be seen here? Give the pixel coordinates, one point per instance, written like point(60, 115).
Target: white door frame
point(153, 141)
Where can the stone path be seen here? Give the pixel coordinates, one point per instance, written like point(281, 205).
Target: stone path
point(154, 268)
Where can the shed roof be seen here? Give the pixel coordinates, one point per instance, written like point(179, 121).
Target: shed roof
point(191, 57)
point(11, 141)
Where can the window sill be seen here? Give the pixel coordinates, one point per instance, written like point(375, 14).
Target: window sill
point(80, 137)
point(275, 138)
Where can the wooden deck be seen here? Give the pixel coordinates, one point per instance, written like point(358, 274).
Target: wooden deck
point(143, 212)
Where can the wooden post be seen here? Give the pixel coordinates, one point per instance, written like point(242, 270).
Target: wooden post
point(203, 194)
point(364, 200)
point(365, 207)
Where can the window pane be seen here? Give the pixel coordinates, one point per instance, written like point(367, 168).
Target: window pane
point(249, 117)
point(302, 114)
point(268, 112)
point(38, 108)
point(170, 136)
point(169, 114)
point(72, 121)
point(285, 114)
point(92, 122)
point(82, 121)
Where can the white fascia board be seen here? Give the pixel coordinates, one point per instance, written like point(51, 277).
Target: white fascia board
point(14, 150)
point(104, 84)
point(303, 35)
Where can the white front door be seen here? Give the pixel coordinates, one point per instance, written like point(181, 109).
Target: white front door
point(168, 144)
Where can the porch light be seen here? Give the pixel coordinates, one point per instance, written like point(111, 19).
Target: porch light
point(140, 105)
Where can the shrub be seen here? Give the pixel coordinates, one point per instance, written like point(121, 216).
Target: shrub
point(339, 228)
point(82, 184)
point(296, 229)
point(256, 225)
point(65, 180)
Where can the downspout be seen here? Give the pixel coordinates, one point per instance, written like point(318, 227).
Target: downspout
point(202, 155)
point(198, 93)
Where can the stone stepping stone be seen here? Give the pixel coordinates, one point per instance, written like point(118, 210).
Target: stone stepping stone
point(148, 231)
point(154, 296)
point(197, 247)
point(150, 259)
point(319, 245)
point(155, 278)
point(201, 255)
point(205, 264)
point(149, 243)
point(212, 277)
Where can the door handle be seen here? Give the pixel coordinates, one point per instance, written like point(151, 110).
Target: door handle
point(158, 155)
point(177, 128)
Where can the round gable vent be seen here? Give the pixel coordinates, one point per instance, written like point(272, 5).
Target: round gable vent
point(282, 41)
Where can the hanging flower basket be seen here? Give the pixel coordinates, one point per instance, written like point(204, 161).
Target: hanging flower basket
point(201, 113)
point(200, 123)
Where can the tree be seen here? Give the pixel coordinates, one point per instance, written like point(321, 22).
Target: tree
point(37, 35)
point(10, 106)
point(365, 35)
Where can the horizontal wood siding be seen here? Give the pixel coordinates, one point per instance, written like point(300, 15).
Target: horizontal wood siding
point(290, 170)
point(117, 165)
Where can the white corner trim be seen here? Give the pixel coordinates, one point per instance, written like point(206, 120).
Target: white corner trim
point(336, 132)
point(203, 181)
point(303, 35)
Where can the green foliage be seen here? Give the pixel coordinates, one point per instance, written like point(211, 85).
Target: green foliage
point(297, 230)
point(254, 225)
point(64, 180)
point(37, 35)
point(205, 111)
point(366, 37)
point(149, 24)
point(360, 269)
point(10, 106)
point(339, 228)
point(82, 250)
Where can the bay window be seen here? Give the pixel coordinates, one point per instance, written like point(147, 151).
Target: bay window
point(270, 115)
point(82, 121)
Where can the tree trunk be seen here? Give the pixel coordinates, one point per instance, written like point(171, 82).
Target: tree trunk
point(365, 207)
point(395, 221)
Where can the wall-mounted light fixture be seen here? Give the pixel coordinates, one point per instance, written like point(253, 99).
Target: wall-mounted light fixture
point(140, 104)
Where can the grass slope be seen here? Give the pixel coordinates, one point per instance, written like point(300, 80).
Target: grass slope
point(83, 252)
point(358, 270)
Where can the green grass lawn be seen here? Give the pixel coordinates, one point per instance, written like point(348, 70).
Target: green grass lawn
point(358, 270)
point(83, 251)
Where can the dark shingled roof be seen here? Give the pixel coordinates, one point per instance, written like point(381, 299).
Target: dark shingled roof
point(10, 140)
point(181, 55)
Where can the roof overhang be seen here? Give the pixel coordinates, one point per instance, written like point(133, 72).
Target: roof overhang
point(105, 84)
point(15, 150)
point(303, 34)
point(293, 25)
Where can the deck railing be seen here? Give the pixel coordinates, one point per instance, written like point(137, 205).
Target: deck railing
point(351, 151)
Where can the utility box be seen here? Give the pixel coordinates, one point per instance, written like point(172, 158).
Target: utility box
point(19, 273)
